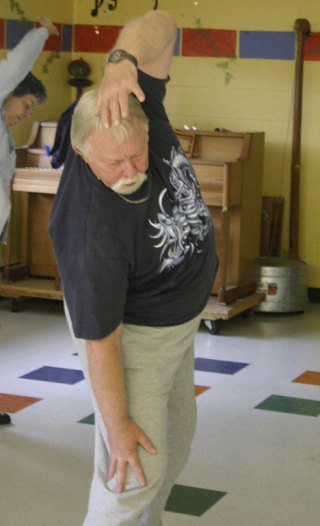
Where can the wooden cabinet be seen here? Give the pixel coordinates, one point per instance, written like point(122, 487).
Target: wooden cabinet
point(30, 269)
point(229, 168)
point(35, 274)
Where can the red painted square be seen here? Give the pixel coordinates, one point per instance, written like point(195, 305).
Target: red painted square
point(209, 43)
point(1, 33)
point(95, 39)
point(312, 47)
point(53, 43)
point(13, 403)
point(199, 389)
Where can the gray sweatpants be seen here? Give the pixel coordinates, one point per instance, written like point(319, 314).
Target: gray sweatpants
point(159, 364)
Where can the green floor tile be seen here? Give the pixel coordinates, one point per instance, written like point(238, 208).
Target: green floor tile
point(287, 404)
point(192, 501)
point(87, 420)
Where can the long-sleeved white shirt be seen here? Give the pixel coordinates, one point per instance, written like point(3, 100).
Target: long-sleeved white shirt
point(13, 69)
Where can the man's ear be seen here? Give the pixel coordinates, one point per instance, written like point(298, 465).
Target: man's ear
point(79, 152)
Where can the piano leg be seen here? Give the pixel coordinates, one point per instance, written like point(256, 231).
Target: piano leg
point(225, 226)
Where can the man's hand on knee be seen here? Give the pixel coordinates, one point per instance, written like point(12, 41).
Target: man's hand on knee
point(124, 442)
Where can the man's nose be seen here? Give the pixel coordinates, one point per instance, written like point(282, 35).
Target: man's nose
point(129, 169)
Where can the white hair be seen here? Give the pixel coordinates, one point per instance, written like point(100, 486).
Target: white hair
point(85, 121)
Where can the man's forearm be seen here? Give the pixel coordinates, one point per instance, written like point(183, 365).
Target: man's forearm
point(107, 378)
point(150, 39)
point(147, 37)
point(124, 435)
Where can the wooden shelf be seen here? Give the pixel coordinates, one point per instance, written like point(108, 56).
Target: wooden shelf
point(30, 288)
point(215, 311)
point(36, 180)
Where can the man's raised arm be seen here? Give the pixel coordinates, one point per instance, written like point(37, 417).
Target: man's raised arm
point(147, 43)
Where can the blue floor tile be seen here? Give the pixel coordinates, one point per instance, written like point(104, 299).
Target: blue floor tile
point(55, 374)
point(218, 366)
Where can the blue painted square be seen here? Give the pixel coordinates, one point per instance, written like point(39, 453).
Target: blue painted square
point(66, 39)
point(177, 45)
point(218, 366)
point(267, 44)
point(15, 31)
point(57, 375)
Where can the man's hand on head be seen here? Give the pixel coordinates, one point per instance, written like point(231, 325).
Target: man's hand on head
point(119, 81)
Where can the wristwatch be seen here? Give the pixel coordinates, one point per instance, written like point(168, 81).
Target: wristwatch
point(120, 54)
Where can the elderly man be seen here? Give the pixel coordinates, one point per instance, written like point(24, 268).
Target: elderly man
point(135, 248)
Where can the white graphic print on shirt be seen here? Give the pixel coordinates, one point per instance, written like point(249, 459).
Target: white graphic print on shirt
point(181, 232)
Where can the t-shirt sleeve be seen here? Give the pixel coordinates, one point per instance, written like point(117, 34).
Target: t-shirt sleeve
point(96, 294)
point(95, 289)
point(161, 134)
point(93, 267)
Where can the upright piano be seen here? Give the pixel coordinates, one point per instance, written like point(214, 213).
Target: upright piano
point(229, 168)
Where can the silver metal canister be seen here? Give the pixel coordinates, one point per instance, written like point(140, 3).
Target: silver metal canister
point(284, 283)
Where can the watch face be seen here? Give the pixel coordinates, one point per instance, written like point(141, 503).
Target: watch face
point(116, 56)
point(119, 54)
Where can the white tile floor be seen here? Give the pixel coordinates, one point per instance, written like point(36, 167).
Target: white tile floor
point(267, 462)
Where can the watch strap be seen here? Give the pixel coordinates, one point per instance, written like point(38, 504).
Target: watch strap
point(120, 54)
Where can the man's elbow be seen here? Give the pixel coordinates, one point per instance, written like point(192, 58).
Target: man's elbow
point(164, 19)
point(167, 18)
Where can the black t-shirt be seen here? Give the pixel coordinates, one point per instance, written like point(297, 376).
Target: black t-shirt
point(149, 263)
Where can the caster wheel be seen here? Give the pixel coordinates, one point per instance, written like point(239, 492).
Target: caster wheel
point(14, 306)
point(212, 327)
point(247, 313)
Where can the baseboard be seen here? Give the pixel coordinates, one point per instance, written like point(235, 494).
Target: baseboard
point(314, 294)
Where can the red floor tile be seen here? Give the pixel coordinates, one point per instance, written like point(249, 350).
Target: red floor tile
point(13, 403)
point(308, 377)
point(199, 389)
